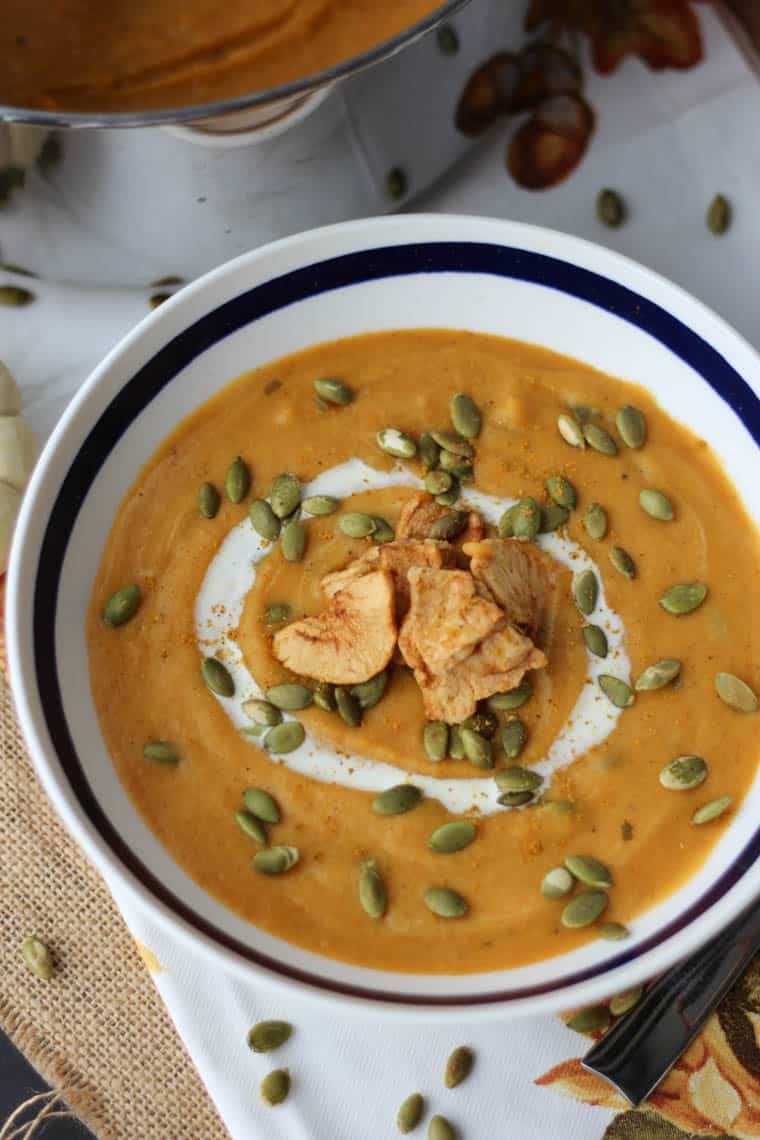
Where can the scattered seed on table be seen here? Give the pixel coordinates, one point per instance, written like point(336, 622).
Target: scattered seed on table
point(266, 1036)
point(441, 1129)
point(719, 215)
point(459, 1066)
point(595, 1019)
point(275, 1087)
point(610, 208)
point(410, 1113)
point(621, 1003)
point(38, 958)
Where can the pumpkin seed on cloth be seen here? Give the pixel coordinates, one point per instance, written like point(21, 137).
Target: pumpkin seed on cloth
point(440, 1128)
point(453, 836)
point(656, 505)
point(584, 909)
point(465, 415)
point(658, 675)
point(613, 931)
point(333, 391)
point(121, 607)
point(712, 810)
point(209, 500)
point(514, 734)
point(595, 1019)
point(586, 591)
point(266, 1036)
point(595, 521)
point(285, 737)
point(410, 1113)
point(610, 208)
point(262, 805)
point(595, 640)
point(477, 748)
point(293, 541)
point(435, 738)
point(631, 425)
point(557, 883)
point(445, 902)
point(161, 752)
point(719, 215)
point(237, 481)
point(570, 430)
point(397, 800)
point(616, 690)
point(562, 491)
point(458, 1066)
point(683, 598)
point(320, 505)
point(275, 860)
point(290, 697)
point(38, 958)
point(684, 773)
point(518, 779)
point(396, 443)
point(623, 1002)
point(263, 519)
point(735, 693)
point(372, 894)
point(15, 296)
point(449, 526)
point(589, 871)
point(622, 562)
point(513, 699)
point(454, 443)
point(275, 1087)
point(251, 826)
point(526, 520)
point(217, 677)
point(285, 495)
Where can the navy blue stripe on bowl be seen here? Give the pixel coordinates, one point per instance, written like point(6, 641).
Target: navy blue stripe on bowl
point(322, 277)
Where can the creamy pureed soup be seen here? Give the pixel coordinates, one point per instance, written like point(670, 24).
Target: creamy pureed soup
point(580, 744)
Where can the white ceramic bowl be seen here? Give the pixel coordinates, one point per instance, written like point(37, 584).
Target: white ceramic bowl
point(486, 276)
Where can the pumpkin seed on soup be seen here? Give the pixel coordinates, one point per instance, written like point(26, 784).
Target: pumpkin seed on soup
point(251, 826)
point(396, 443)
point(356, 524)
point(371, 889)
point(506, 524)
point(324, 696)
point(515, 799)
point(410, 1113)
point(275, 1087)
point(552, 518)
point(435, 738)
point(429, 450)
point(262, 805)
point(449, 498)
point(513, 737)
point(622, 562)
point(684, 773)
point(293, 541)
point(217, 677)
point(261, 711)
point(397, 800)
point(570, 430)
point(595, 640)
point(456, 748)
point(348, 707)
point(277, 612)
point(263, 519)
point(658, 675)
point(617, 691)
point(449, 526)
point(438, 482)
point(557, 883)
point(517, 779)
point(584, 909)
point(595, 521)
point(712, 810)
point(458, 1066)
point(589, 871)
point(333, 391)
point(209, 500)
point(161, 752)
point(237, 481)
point(683, 598)
point(586, 591)
point(632, 426)
point(285, 737)
point(290, 697)
point(454, 443)
point(599, 439)
point(595, 1019)
point(445, 902)
point(285, 495)
point(477, 748)
point(369, 693)
point(513, 699)
point(320, 505)
point(656, 505)
point(121, 607)
point(275, 860)
point(486, 723)
point(735, 693)
point(527, 518)
point(562, 491)
point(383, 531)
point(465, 415)
point(453, 836)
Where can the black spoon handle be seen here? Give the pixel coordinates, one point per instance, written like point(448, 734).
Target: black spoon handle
point(638, 1052)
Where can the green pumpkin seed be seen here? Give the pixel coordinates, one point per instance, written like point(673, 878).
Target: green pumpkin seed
point(383, 531)
point(435, 739)
point(719, 215)
point(513, 737)
point(625, 1001)
point(527, 518)
point(262, 805)
point(356, 524)
point(397, 800)
point(290, 697)
point(333, 391)
point(293, 541)
point(552, 518)
point(506, 524)
point(277, 613)
point(237, 481)
point(217, 677)
point(161, 752)
point(209, 500)
point(631, 425)
point(584, 909)
point(657, 505)
point(622, 562)
point(515, 799)
point(275, 1087)
point(158, 299)
point(438, 482)
point(599, 439)
point(456, 748)
point(613, 931)
point(486, 723)
point(595, 521)
point(589, 870)
point(617, 691)
point(610, 208)
point(251, 826)
point(371, 889)
point(683, 598)
point(562, 491)
point(684, 773)
point(710, 811)
point(454, 443)
point(14, 296)
point(452, 836)
point(570, 430)
point(595, 640)
point(458, 1066)
point(445, 902)
point(254, 730)
point(518, 779)
point(410, 1113)
point(324, 697)
point(429, 450)
point(369, 693)
point(557, 883)
point(514, 699)
point(455, 465)
point(285, 737)
point(440, 1128)
point(122, 606)
point(595, 1019)
point(266, 1036)
point(586, 591)
point(348, 707)
point(449, 498)
point(263, 519)
point(735, 693)
point(261, 711)
point(659, 675)
point(477, 748)
point(396, 443)
point(465, 415)
point(320, 505)
point(449, 526)
point(275, 860)
point(38, 958)
point(285, 495)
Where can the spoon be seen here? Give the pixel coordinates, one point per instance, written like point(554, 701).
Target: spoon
point(640, 1050)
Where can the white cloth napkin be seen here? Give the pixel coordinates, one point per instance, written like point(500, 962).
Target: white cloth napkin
point(669, 143)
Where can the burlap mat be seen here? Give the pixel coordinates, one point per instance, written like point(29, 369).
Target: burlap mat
point(100, 1025)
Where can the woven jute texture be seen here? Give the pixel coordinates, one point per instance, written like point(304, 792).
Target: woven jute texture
point(99, 1028)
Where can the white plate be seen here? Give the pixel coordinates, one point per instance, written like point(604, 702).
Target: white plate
point(437, 271)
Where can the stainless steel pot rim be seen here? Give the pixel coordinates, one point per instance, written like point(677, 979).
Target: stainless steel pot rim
point(177, 115)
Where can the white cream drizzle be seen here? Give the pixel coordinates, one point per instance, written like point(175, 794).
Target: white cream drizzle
point(231, 575)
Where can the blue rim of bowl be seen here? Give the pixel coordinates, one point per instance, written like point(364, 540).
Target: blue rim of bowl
point(325, 276)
